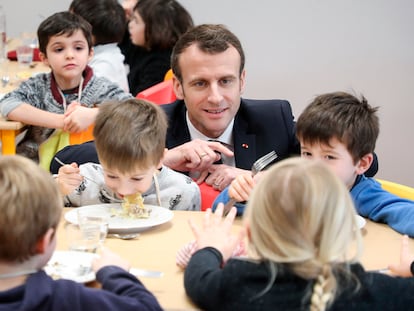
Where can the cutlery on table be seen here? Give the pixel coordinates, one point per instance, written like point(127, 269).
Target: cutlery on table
point(123, 236)
point(146, 273)
point(259, 165)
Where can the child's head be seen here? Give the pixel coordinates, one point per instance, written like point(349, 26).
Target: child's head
point(301, 215)
point(341, 130)
point(65, 43)
point(157, 24)
point(107, 18)
point(30, 205)
point(63, 24)
point(130, 141)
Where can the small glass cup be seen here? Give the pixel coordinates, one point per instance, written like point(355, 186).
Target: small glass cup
point(84, 238)
point(24, 55)
point(88, 217)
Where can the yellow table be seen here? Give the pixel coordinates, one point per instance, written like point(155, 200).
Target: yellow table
point(10, 129)
point(155, 249)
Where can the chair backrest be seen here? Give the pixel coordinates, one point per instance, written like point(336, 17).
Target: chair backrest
point(81, 137)
point(161, 93)
point(400, 190)
point(168, 75)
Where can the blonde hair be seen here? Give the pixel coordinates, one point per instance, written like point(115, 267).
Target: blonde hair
point(30, 204)
point(130, 134)
point(302, 217)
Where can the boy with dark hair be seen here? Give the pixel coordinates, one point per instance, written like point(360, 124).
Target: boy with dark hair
point(108, 22)
point(68, 96)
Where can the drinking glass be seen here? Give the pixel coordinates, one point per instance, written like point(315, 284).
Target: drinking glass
point(88, 217)
point(84, 238)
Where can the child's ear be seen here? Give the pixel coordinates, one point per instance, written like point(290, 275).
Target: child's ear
point(160, 164)
point(43, 243)
point(178, 89)
point(91, 52)
point(364, 163)
point(43, 58)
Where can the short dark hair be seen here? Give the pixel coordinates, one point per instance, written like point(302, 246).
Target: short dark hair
point(107, 18)
point(165, 21)
point(342, 116)
point(62, 23)
point(209, 38)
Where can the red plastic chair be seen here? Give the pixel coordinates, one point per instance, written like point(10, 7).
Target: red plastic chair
point(161, 93)
point(208, 195)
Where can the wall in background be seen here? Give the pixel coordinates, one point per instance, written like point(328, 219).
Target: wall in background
point(299, 48)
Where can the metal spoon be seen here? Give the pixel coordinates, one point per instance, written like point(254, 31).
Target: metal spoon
point(123, 236)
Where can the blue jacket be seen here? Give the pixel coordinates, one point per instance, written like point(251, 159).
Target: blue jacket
point(120, 291)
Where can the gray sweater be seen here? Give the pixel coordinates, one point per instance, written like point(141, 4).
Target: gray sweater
point(177, 191)
point(41, 92)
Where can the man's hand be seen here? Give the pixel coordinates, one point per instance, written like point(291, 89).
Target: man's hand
point(219, 176)
point(197, 155)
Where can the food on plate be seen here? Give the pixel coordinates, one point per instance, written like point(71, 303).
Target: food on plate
point(133, 206)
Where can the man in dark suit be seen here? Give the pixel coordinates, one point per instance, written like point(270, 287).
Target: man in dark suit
point(211, 122)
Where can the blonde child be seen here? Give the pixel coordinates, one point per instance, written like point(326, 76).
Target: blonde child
point(304, 244)
point(66, 98)
point(130, 141)
point(30, 211)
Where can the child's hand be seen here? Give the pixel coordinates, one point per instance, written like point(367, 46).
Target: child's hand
point(78, 118)
point(109, 258)
point(69, 178)
point(406, 258)
point(241, 187)
point(216, 232)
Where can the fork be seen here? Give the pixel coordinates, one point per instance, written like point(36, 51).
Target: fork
point(257, 166)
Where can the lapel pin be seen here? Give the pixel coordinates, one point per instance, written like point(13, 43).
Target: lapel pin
point(245, 146)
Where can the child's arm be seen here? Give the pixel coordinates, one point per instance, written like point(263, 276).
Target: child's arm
point(406, 264)
point(382, 206)
point(29, 114)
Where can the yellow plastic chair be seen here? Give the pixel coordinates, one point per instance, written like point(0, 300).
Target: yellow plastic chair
point(400, 190)
point(168, 75)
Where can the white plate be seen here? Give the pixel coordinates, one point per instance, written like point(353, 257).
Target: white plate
point(71, 265)
point(361, 221)
point(117, 224)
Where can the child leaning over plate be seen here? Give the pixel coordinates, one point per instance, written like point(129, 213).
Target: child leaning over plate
point(30, 211)
point(130, 141)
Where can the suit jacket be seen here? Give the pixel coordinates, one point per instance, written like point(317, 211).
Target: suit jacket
point(260, 126)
